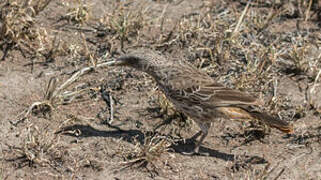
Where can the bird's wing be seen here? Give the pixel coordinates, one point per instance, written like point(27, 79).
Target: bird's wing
point(198, 88)
point(215, 94)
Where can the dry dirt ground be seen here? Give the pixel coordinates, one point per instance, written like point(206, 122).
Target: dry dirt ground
point(103, 124)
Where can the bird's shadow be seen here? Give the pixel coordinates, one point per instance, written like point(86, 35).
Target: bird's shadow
point(127, 135)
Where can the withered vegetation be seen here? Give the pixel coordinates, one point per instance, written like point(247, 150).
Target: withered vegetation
point(246, 45)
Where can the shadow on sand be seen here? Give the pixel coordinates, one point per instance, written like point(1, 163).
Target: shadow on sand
point(127, 135)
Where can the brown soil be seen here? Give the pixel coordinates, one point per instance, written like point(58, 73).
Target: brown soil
point(274, 57)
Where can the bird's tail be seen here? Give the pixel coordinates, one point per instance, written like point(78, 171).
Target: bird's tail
point(274, 122)
point(239, 113)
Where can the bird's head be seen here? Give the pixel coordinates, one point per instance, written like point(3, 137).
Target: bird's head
point(130, 61)
point(142, 60)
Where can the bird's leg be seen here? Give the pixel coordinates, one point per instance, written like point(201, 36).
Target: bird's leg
point(203, 132)
point(204, 129)
point(194, 139)
point(195, 136)
point(198, 144)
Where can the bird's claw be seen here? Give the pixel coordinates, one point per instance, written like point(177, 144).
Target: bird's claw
point(196, 152)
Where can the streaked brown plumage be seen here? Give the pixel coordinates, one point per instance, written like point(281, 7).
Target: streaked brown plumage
point(196, 94)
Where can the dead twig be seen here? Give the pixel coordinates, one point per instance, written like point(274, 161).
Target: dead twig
point(236, 30)
point(53, 93)
point(111, 108)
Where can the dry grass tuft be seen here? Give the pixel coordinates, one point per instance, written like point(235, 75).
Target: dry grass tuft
point(149, 155)
point(78, 15)
point(262, 173)
point(123, 23)
point(39, 148)
point(18, 28)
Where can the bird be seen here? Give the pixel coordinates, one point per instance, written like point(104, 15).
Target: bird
point(197, 95)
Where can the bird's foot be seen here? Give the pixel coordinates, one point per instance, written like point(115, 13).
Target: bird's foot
point(193, 153)
point(196, 152)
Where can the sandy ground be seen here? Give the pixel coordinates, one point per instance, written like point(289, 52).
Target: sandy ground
point(70, 139)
